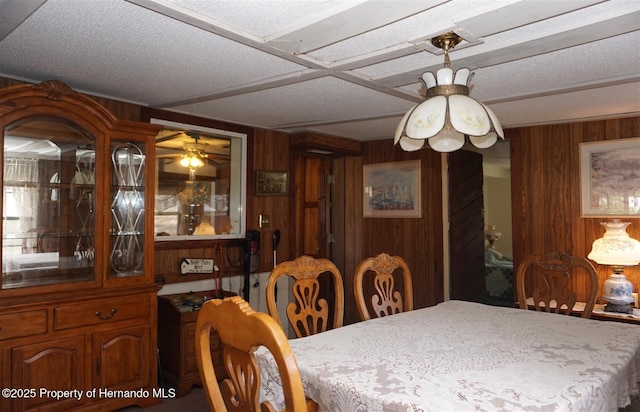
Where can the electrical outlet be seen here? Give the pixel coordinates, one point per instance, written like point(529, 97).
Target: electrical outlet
point(264, 221)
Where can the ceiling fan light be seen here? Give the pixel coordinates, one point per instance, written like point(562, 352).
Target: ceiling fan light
point(192, 160)
point(196, 162)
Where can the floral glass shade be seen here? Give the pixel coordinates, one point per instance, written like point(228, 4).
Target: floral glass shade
point(615, 247)
point(448, 116)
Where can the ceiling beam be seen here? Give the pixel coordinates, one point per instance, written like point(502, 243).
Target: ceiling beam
point(351, 19)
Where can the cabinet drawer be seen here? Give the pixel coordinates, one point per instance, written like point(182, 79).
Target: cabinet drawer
point(190, 365)
point(189, 340)
point(98, 312)
point(23, 324)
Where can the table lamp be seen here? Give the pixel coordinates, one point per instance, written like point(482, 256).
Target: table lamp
point(492, 234)
point(617, 250)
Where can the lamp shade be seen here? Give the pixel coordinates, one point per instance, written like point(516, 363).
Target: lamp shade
point(615, 247)
point(448, 116)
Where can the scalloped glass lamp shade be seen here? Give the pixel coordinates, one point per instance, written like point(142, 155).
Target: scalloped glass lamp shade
point(448, 117)
point(616, 249)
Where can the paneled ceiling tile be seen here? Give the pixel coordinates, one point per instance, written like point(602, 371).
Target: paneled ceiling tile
point(12, 14)
point(431, 22)
point(296, 104)
point(85, 61)
point(499, 16)
point(591, 63)
point(375, 129)
point(352, 20)
point(600, 12)
point(415, 62)
point(258, 17)
point(522, 43)
point(582, 105)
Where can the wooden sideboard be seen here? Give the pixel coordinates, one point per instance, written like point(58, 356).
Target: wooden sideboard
point(177, 315)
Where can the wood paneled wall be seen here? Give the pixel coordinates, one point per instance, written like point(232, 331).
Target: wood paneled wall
point(417, 240)
point(545, 178)
point(269, 150)
point(545, 199)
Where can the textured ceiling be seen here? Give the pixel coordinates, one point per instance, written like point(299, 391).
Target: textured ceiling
point(345, 68)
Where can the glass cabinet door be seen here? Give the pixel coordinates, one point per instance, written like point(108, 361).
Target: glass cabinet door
point(48, 204)
point(127, 227)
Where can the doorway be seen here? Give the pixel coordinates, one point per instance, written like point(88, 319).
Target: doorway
point(312, 206)
point(479, 186)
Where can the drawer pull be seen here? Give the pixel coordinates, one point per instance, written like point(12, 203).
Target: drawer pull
point(98, 314)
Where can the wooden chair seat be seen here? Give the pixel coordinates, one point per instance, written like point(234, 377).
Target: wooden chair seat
point(386, 300)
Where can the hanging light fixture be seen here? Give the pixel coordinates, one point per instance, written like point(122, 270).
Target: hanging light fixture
point(194, 157)
point(448, 116)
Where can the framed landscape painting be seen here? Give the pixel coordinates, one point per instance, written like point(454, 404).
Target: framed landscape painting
point(610, 178)
point(272, 183)
point(392, 189)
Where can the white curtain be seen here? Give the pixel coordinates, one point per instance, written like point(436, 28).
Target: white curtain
point(21, 191)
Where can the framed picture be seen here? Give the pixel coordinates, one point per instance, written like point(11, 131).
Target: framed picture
point(610, 178)
point(270, 183)
point(392, 189)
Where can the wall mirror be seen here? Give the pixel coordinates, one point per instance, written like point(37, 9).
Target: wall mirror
point(200, 182)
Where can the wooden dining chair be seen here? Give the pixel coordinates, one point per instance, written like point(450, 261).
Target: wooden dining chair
point(550, 277)
point(386, 300)
point(310, 312)
point(242, 330)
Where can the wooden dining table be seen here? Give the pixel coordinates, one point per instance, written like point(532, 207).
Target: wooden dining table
point(464, 356)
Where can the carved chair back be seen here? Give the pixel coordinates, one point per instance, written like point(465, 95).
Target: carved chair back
point(552, 283)
point(310, 312)
point(242, 331)
point(386, 299)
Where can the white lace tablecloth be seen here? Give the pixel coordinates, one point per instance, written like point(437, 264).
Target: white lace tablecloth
point(462, 356)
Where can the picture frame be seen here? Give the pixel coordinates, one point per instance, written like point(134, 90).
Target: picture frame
point(392, 190)
point(610, 178)
point(272, 183)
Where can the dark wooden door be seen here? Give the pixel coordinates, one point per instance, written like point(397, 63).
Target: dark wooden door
point(312, 209)
point(466, 226)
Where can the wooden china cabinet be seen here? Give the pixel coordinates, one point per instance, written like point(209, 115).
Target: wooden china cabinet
point(78, 304)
